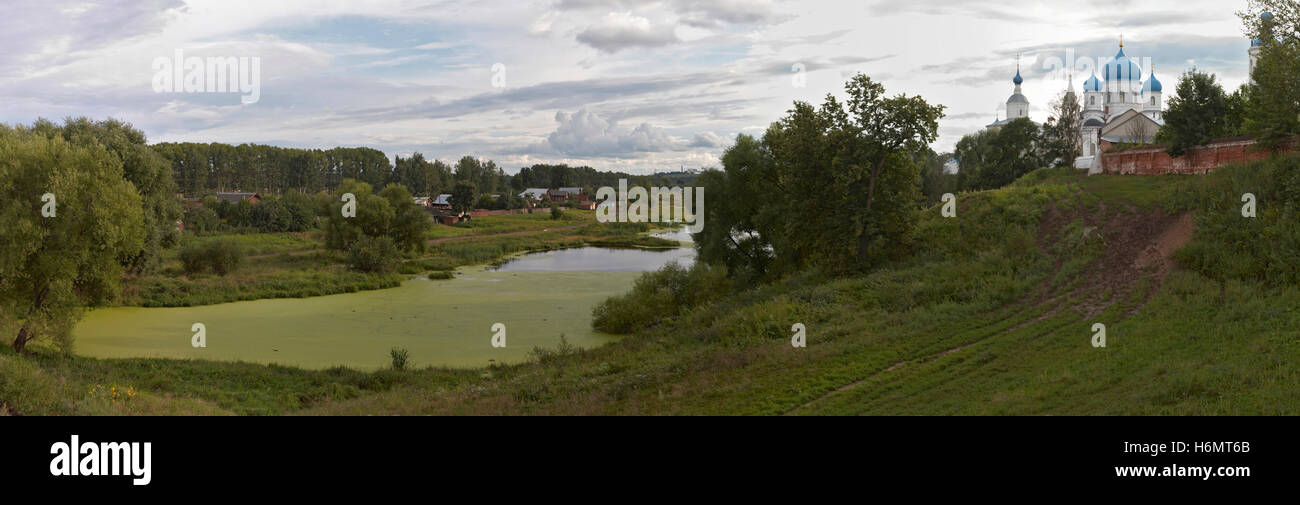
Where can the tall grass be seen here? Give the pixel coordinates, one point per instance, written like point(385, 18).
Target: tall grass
point(1262, 249)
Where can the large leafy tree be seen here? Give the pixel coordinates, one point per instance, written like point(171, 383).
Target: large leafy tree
point(389, 213)
point(992, 159)
point(463, 196)
point(1013, 151)
point(1197, 114)
point(836, 186)
point(143, 167)
point(52, 266)
point(878, 132)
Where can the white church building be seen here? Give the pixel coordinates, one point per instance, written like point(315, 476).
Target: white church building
point(1120, 107)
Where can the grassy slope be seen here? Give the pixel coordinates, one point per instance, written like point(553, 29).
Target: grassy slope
point(992, 315)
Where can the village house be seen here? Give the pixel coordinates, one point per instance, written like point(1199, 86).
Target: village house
point(443, 201)
point(238, 196)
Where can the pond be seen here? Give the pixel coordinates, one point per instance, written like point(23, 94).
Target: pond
point(538, 297)
point(595, 259)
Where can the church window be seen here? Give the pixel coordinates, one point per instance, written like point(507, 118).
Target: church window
point(1153, 100)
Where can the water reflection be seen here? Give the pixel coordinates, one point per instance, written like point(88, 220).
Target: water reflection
point(596, 259)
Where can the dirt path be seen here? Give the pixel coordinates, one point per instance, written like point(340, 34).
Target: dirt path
point(440, 240)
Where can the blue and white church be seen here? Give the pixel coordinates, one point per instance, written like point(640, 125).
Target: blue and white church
point(1119, 107)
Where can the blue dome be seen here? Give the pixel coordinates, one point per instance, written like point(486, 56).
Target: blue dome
point(1255, 42)
point(1266, 16)
point(1122, 69)
point(1093, 84)
point(1017, 78)
point(1152, 84)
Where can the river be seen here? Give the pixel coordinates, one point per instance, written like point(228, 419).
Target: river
point(537, 297)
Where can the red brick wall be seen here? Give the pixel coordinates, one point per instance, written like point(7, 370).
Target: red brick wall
point(1154, 160)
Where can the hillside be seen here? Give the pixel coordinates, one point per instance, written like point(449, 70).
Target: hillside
point(993, 314)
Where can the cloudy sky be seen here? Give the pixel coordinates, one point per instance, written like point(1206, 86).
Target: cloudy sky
point(631, 85)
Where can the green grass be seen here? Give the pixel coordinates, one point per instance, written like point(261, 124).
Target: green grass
point(256, 243)
point(540, 219)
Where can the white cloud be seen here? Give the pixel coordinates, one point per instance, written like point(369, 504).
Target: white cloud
point(706, 139)
point(583, 133)
point(618, 31)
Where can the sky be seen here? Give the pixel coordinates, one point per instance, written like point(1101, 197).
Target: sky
point(630, 85)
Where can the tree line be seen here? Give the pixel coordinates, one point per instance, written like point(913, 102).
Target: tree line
point(200, 169)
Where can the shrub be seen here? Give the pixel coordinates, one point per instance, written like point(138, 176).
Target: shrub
point(656, 295)
point(202, 220)
point(373, 255)
point(220, 256)
point(400, 357)
point(556, 213)
point(224, 256)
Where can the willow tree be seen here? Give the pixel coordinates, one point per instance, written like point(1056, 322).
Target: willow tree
point(68, 214)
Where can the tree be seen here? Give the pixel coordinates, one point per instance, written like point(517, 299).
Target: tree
point(409, 224)
point(881, 129)
point(1061, 140)
point(731, 237)
point(817, 177)
point(1197, 114)
point(935, 180)
point(463, 196)
point(970, 152)
point(373, 215)
point(1272, 111)
point(144, 168)
point(51, 267)
point(391, 213)
point(1012, 152)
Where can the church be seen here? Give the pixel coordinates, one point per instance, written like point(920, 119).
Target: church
point(1119, 107)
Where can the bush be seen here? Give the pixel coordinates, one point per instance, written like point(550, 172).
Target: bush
point(373, 255)
point(656, 295)
point(556, 213)
point(201, 220)
point(400, 357)
point(221, 256)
